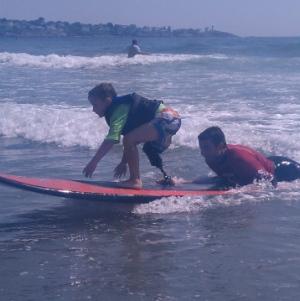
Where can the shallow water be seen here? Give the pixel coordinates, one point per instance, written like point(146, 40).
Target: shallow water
point(240, 247)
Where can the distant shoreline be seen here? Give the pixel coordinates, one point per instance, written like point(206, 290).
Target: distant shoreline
point(42, 28)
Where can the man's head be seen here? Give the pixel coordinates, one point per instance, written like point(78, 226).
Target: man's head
point(101, 97)
point(134, 42)
point(212, 143)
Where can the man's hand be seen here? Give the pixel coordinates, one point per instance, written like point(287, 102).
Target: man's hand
point(120, 170)
point(167, 181)
point(90, 168)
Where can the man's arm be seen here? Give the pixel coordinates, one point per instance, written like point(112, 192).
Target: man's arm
point(104, 148)
point(208, 180)
point(199, 180)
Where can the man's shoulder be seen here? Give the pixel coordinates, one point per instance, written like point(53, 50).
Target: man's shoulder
point(234, 148)
point(238, 151)
point(239, 148)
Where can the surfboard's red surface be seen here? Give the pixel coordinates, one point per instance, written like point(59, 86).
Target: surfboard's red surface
point(98, 191)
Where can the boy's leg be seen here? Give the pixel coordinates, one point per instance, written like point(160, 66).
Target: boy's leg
point(145, 133)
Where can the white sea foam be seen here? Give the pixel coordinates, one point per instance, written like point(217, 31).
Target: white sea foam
point(71, 126)
point(253, 193)
point(261, 129)
point(72, 61)
point(66, 126)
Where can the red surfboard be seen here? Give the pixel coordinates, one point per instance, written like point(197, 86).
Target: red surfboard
point(103, 191)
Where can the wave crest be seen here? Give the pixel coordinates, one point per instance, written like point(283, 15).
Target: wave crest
point(71, 61)
point(78, 126)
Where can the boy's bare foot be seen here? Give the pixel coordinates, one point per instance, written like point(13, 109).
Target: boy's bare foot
point(135, 184)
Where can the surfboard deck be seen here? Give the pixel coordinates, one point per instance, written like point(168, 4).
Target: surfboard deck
point(102, 191)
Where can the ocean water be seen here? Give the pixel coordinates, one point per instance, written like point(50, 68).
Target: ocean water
point(241, 247)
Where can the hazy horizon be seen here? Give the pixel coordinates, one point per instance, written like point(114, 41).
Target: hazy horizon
point(258, 18)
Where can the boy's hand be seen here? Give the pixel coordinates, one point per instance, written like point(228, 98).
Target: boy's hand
point(120, 170)
point(89, 169)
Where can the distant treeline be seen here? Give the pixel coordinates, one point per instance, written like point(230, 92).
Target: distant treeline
point(41, 27)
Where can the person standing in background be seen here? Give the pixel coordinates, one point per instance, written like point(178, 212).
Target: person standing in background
point(135, 49)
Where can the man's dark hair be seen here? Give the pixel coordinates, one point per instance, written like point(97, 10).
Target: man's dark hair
point(214, 134)
point(134, 42)
point(103, 90)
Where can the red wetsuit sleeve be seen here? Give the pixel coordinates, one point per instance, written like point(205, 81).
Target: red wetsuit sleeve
point(244, 169)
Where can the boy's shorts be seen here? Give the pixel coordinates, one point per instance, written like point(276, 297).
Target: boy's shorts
point(167, 122)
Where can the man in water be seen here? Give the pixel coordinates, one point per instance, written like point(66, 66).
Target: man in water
point(135, 49)
point(238, 165)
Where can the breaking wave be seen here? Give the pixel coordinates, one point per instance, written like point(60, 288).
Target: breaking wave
point(67, 125)
point(71, 61)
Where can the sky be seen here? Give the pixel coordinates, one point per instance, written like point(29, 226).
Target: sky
point(241, 17)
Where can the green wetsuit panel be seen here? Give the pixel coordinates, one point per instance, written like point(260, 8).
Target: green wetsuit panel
point(117, 122)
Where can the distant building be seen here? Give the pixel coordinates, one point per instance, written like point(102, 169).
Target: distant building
point(41, 27)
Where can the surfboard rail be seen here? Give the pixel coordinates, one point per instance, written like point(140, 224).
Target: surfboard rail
point(94, 191)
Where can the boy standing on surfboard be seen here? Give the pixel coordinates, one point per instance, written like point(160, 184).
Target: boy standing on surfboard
point(140, 120)
point(241, 165)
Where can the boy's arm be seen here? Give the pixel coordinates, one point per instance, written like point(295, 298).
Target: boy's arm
point(104, 148)
point(117, 122)
point(121, 168)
